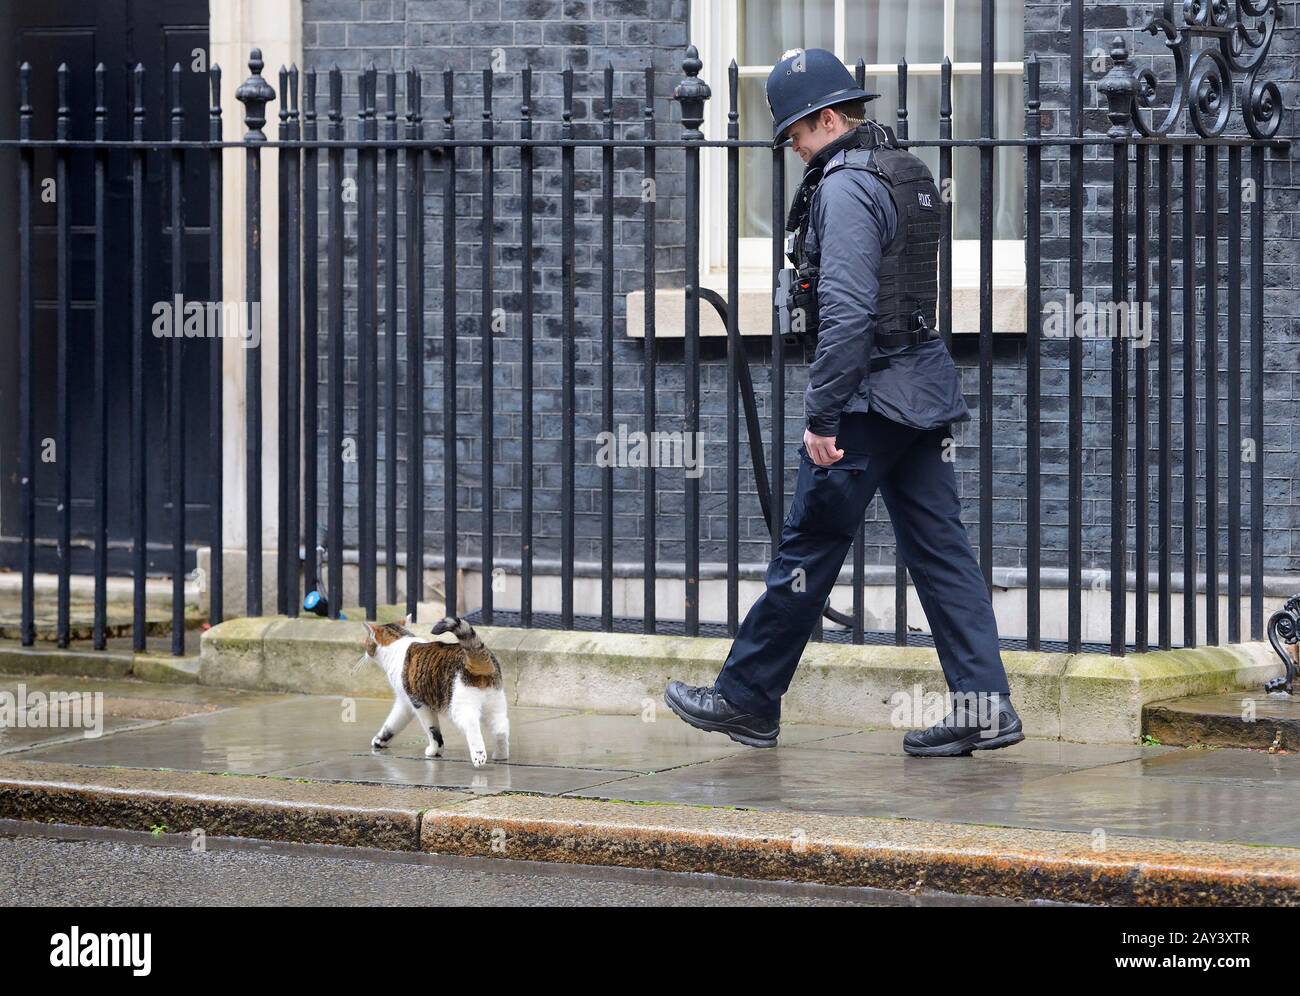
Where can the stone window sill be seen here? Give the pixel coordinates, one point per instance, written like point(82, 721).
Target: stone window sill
point(756, 309)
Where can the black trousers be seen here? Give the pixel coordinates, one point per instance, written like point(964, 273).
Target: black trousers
point(907, 466)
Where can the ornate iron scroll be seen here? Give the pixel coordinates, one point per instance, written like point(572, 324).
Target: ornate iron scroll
point(1203, 77)
point(1284, 631)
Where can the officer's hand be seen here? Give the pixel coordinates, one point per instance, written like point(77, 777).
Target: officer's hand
point(821, 449)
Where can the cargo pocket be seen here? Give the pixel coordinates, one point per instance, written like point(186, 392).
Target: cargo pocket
point(829, 499)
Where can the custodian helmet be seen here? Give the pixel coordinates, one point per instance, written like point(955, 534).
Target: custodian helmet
point(805, 81)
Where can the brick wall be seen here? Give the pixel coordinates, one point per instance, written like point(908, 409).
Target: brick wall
point(1047, 33)
point(467, 35)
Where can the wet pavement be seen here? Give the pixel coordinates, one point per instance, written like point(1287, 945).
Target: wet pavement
point(1218, 795)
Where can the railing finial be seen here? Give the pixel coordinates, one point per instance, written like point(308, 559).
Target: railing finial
point(691, 93)
point(1118, 87)
point(255, 93)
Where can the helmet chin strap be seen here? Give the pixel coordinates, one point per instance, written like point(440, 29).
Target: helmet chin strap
point(855, 123)
point(871, 123)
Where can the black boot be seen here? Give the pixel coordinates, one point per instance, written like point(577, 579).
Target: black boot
point(705, 709)
point(960, 732)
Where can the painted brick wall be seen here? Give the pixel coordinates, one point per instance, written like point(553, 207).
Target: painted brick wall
point(467, 35)
point(1047, 33)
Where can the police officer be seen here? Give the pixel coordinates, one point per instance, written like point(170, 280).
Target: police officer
point(882, 394)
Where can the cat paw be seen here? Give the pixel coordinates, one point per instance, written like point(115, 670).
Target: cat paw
point(501, 753)
point(432, 751)
point(478, 757)
point(378, 744)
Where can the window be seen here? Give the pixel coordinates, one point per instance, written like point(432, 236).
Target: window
point(756, 32)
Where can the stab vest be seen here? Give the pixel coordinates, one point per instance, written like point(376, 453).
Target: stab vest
point(909, 284)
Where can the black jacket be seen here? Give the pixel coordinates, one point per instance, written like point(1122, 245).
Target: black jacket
point(852, 221)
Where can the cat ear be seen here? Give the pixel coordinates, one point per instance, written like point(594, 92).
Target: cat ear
point(369, 629)
point(409, 620)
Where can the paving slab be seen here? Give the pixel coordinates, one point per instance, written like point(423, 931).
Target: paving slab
point(822, 781)
point(551, 753)
point(274, 733)
point(629, 743)
point(14, 739)
point(126, 705)
point(1247, 812)
point(1219, 764)
point(252, 740)
point(1033, 750)
point(395, 768)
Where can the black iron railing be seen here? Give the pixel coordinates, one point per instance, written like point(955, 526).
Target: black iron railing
point(315, 141)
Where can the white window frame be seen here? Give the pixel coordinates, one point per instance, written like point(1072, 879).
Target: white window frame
point(714, 33)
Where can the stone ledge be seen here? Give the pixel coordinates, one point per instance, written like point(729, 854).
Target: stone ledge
point(73, 661)
point(1091, 698)
point(164, 668)
point(77, 661)
point(1102, 697)
point(755, 315)
point(1256, 722)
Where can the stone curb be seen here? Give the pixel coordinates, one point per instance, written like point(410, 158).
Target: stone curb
point(221, 805)
point(804, 847)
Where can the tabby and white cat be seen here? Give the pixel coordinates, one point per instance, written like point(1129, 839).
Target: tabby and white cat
point(458, 681)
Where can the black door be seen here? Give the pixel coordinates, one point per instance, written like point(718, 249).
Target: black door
point(80, 34)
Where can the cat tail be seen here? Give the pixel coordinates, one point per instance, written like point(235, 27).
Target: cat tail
point(475, 649)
